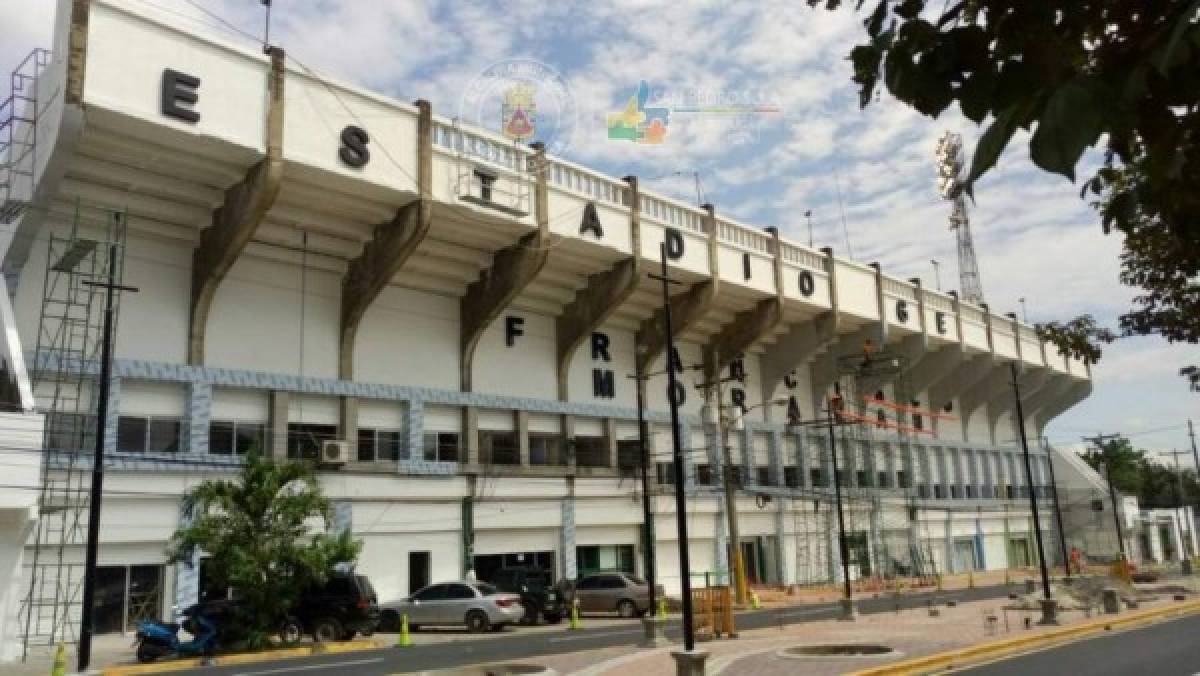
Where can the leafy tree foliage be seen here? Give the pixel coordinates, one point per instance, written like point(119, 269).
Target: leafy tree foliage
point(1135, 472)
point(1125, 73)
point(1079, 337)
point(256, 531)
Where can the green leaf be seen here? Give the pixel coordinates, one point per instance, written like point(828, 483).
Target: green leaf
point(874, 24)
point(992, 143)
point(1181, 25)
point(975, 95)
point(1072, 120)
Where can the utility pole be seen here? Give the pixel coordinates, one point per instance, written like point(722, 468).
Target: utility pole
point(1062, 533)
point(97, 494)
point(1099, 440)
point(730, 477)
point(1195, 455)
point(647, 513)
point(1049, 611)
point(685, 579)
point(832, 409)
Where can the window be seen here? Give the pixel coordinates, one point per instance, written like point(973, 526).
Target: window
point(842, 478)
point(305, 439)
point(629, 457)
point(939, 491)
point(435, 593)
point(593, 558)
point(459, 591)
point(902, 479)
point(862, 477)
point(883, 480)
point(227, 437)
point(970, 491)
point(486, 182)
point(817, 477)
point(378, 445)
point(954, 492)
point(545, 449)
point(131, 434)
point(499, 448)
point(762, 476)
point(791, 476)
point(136, 434)
point(591, 452)
point(704, 475)
point(441, 447)
point(922, 491)
point(665, 472)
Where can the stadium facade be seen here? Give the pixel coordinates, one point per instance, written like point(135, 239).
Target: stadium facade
point(448, 323)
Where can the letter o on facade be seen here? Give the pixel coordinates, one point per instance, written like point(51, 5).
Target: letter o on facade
point(808, 285)
point(674, 241)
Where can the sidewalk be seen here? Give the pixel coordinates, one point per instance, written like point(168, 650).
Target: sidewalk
point(912, 633)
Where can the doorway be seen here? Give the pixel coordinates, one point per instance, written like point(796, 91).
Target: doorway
point(126, 595)
point(418, 571)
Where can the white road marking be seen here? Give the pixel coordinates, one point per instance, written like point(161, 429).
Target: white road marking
point(311, 667)
point(587, 636)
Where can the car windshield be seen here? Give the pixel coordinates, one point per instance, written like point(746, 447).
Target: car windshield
point(486, 589)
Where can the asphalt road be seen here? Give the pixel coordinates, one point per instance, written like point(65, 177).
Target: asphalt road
point(511, 646)
point(1162, 649)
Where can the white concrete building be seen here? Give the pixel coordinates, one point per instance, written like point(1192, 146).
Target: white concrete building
point(318, 262)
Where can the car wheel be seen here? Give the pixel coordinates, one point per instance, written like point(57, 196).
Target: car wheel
point(531, 613)
point(326, 629)
point(627, 608)
point(552, 618)
point(347, 635)
point(291, 631)
point(147, 652)
point(477, 622)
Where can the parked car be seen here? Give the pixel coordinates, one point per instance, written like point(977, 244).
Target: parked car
point(344, 606)
point(626, 594)
point(478, 606)
point(539, 596)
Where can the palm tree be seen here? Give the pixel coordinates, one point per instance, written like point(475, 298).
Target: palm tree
point(256, 534)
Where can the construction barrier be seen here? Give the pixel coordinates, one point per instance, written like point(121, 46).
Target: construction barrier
point(712, 612)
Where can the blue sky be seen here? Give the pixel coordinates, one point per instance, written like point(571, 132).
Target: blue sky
point(1035, 238)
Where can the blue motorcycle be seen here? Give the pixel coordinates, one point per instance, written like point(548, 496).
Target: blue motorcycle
point(159, 639)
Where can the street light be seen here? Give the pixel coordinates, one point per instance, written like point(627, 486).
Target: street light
point(937, 274)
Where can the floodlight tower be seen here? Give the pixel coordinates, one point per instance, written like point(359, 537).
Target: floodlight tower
point(949, 156)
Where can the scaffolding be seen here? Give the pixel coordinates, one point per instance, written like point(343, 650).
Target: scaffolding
point(65, 364)
point(19, 114)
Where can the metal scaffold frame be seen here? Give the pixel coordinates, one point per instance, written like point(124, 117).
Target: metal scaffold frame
point(65, 364)
point(19, 114)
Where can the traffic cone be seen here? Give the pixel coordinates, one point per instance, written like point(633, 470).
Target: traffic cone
point(574, 623)
point(405, 640)
point(754, 602)
point(938, 579)
point(662, 607)
point(60, 662)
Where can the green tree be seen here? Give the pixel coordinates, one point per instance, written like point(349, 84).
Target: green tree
point(1119, 457)
point(1124, 73)
point(256, 531)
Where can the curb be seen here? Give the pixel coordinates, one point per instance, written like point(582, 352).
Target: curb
point(1007, 647)
point(242, 658)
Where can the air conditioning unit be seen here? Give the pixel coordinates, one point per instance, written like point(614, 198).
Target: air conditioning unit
point(334, 453)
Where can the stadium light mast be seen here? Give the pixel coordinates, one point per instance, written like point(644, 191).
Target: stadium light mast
point(949, 156)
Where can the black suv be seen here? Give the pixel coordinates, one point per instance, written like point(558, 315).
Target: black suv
point(538, 593)
point(344, 606)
